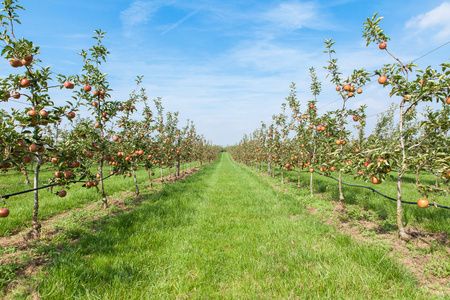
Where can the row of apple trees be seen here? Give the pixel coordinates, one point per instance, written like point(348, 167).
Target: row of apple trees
point(304, 140)
point(114, 139)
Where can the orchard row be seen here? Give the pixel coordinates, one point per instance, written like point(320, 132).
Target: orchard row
point(114, 136)
point(304, 140)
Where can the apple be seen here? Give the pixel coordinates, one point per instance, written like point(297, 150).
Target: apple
point(68, 174)
point(25, 82)
point(95, 183)
point(62, 193)
point(32, 113)
point(54, 160)
point(75, 164)
point(20, 144)
point(423, 203)
point(355, 118)
point(382, 46)
point(311, 106)
point(87, 88)
point(44, 114)
point(89, 184)
point(4, 212)
point(58, 174)
point(338, 88)
point(34, 148)
point(375, 180)
point(447, 100)
point(359, 91)
point(15, 63)
point(382, 79)
point(115, 139)
point(97, 125)
point(15, 95)
point(26, 159)
point(68, 85)
point(71, 115)
point(95, 103)
point(28, 58)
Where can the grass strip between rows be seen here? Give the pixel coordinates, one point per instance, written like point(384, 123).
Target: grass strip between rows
point(222, 233)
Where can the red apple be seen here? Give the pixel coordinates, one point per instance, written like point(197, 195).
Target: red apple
point(25, 82)
point(4, 212)
point(62, 193)
point(87, 88)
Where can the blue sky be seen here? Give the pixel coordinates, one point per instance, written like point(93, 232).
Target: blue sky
point(227, 65)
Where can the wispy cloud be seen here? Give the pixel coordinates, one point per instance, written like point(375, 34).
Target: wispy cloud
point(293, 15)
point(180, 21)
point(435, 20)
point(140, 12)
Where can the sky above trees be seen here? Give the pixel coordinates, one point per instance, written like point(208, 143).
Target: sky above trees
point(227, 65)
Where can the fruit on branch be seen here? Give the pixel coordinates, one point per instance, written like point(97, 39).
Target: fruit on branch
point(15, 63)
point(32, 113)
point(69, 85)
point(58, 174)
point(26, 159)
point(68, 174)
point(375, 180)
point(338, 88)
point(25, 82)
point(447, 100)
point(382, 79)
point(359, 91)
point(62, 193)
point(15, 95)
point(87, 88)
point(44, 114)
point(4, 212)
point(34, 148)
point(382, 46)
point(71, 115)
point(355, 118)
point(423, 203)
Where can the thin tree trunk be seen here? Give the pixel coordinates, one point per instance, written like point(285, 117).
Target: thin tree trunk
point(282, 177)
point(135, 183)
point(401, 230)
point(150, 178)
point(341, 195)
point(162, 177)
point(102, 186)
point(311, 185)
point(36, 192)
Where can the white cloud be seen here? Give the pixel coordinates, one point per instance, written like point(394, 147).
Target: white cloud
point(294, 15)
point(435, 20)
point(140, 12)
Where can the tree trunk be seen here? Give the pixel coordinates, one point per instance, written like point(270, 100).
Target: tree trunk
point(401, 230)
point(162, 176)
point(282, 177)
point(341, 195)
point(178, 167)
point(135, 183)
point(268, 166)
point(150, 178)
point(36, 192)
point(311, 185)
point(102, 186)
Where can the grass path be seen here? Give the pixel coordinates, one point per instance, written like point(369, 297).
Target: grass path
point(221, 234)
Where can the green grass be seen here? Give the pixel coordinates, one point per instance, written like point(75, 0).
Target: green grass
point(222, 233)
point(21, 206)
point(431, 218)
